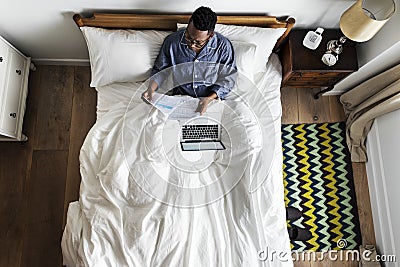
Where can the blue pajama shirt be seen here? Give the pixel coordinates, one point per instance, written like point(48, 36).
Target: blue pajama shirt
point(197, 75)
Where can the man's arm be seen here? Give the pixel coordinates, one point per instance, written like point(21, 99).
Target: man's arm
point(227, 72)
point(204, 101)
point(147, 95)
point(163, 59)
point(162, 62)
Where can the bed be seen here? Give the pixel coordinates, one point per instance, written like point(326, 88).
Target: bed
point(144, 202)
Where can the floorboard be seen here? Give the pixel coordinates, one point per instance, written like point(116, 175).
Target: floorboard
point(42, 231)
point(312, 110)
point(54, 107)
point(290, 110)
point(12, 178)
point(336, 111)
point(82, 119)
point(363, 203)
point(302, 264)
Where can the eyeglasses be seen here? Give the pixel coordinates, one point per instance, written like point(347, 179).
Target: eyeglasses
point(195, 43)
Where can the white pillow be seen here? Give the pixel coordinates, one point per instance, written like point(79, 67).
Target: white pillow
point(244, 53)
point(264, 38)
point(121, 55)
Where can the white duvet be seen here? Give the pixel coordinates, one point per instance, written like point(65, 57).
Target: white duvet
point(143, 202)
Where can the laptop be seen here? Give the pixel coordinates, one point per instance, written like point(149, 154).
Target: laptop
point(203, 132)
point(197, 133)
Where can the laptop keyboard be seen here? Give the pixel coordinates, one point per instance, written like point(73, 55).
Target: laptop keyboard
point(200, 132)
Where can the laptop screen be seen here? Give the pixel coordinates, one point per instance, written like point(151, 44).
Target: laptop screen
point(205, 145)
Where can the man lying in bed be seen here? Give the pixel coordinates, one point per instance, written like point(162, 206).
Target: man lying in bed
point(196, 45)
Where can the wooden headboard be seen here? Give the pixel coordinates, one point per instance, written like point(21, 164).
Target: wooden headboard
point(168, 22)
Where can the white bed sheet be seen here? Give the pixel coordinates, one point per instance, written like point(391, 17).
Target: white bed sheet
point(116, 224)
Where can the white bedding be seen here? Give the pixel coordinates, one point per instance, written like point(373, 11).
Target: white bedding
point(142, 203)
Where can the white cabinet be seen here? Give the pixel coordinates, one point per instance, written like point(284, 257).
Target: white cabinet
point(14, 71)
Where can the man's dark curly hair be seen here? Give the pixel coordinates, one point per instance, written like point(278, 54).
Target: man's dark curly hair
point(204, 19)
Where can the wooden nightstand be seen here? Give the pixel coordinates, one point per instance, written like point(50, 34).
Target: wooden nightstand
point(303, 67)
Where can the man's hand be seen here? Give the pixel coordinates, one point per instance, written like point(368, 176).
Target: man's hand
point(147, 95)
point(203, 103)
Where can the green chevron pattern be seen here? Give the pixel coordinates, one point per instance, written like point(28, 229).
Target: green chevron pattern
point(318, 180)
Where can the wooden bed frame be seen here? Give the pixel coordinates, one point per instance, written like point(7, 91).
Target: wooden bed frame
point(168, 22)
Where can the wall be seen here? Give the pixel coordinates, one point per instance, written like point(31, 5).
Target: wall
point(376, 55)
point(383, 171)
point(44, 29)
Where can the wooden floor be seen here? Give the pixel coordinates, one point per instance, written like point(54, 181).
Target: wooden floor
point(40, 177)
point(34, 189)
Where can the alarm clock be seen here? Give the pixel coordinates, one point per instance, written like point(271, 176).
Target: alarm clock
point(330, 58)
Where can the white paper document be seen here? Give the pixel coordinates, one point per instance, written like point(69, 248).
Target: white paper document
point(176, 107)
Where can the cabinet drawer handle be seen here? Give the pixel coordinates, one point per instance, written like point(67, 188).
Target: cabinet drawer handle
point(13, 115)
point(1, 59)
point(19, 72)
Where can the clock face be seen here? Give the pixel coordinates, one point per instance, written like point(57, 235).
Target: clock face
point(329, 59)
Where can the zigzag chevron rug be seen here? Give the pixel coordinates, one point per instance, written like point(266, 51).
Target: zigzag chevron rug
point(318, 181)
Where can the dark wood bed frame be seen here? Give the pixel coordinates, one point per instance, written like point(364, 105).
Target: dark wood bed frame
point(168, 22)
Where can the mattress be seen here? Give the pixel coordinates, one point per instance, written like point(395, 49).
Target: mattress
point(144, 203)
